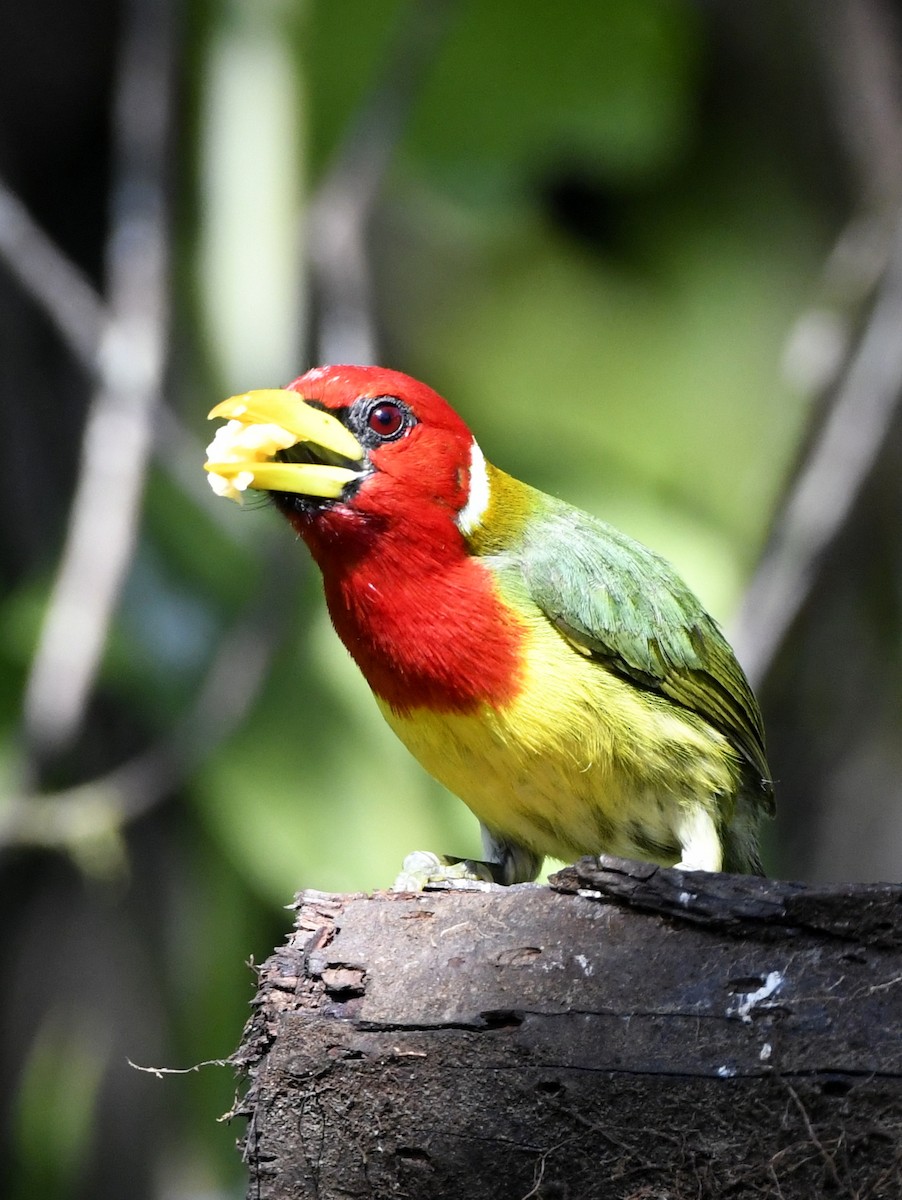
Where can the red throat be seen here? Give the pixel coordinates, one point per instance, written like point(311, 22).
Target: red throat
point(421, 617)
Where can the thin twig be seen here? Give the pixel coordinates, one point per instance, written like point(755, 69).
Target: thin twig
point(119, 430)
point(819, 1146)
point(162, 1072)
point(539, 1170)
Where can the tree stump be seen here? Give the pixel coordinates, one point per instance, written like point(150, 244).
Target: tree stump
point(626, 1033)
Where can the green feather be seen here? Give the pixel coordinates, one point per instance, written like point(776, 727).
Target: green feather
point(621, 603)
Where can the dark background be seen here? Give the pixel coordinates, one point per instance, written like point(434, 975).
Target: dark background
point(648, 248)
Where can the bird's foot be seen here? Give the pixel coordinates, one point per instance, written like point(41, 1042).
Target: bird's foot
point(422, 869)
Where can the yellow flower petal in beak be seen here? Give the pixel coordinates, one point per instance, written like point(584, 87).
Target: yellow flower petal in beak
point(309, 479)
point(278, 406)
point(260, 424)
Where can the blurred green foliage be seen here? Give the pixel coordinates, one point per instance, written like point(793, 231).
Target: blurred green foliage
point(638, 379)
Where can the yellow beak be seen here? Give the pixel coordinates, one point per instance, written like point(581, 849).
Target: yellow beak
point(261, 423)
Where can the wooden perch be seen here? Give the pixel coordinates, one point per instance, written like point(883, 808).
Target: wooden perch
point(627, 1033)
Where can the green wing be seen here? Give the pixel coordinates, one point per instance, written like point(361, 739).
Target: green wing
point(621, 603)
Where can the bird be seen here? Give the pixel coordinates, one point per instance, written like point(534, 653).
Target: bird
point(556, 675)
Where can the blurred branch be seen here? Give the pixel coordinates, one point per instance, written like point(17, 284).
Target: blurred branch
point(120, 344)
point(81, 318)
point(859, 45)
point(95, 813)
point(119, 429)
point(51, 279)
point(830, 480)
point(343, 205)
point(80, 819)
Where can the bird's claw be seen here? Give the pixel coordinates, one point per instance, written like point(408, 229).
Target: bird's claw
point(422, 869)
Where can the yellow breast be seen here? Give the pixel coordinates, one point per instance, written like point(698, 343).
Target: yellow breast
point(581, 762)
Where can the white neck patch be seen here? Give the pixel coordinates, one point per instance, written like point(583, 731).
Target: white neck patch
point(470, 516)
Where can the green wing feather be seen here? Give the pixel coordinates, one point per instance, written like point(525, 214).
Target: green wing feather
point(621, 603)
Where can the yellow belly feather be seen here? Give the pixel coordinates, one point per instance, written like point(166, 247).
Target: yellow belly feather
point(582, 762)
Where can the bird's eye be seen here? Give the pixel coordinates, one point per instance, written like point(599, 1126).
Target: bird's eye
point(386, 419)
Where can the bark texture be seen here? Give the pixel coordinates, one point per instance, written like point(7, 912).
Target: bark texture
point(627, 1033)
